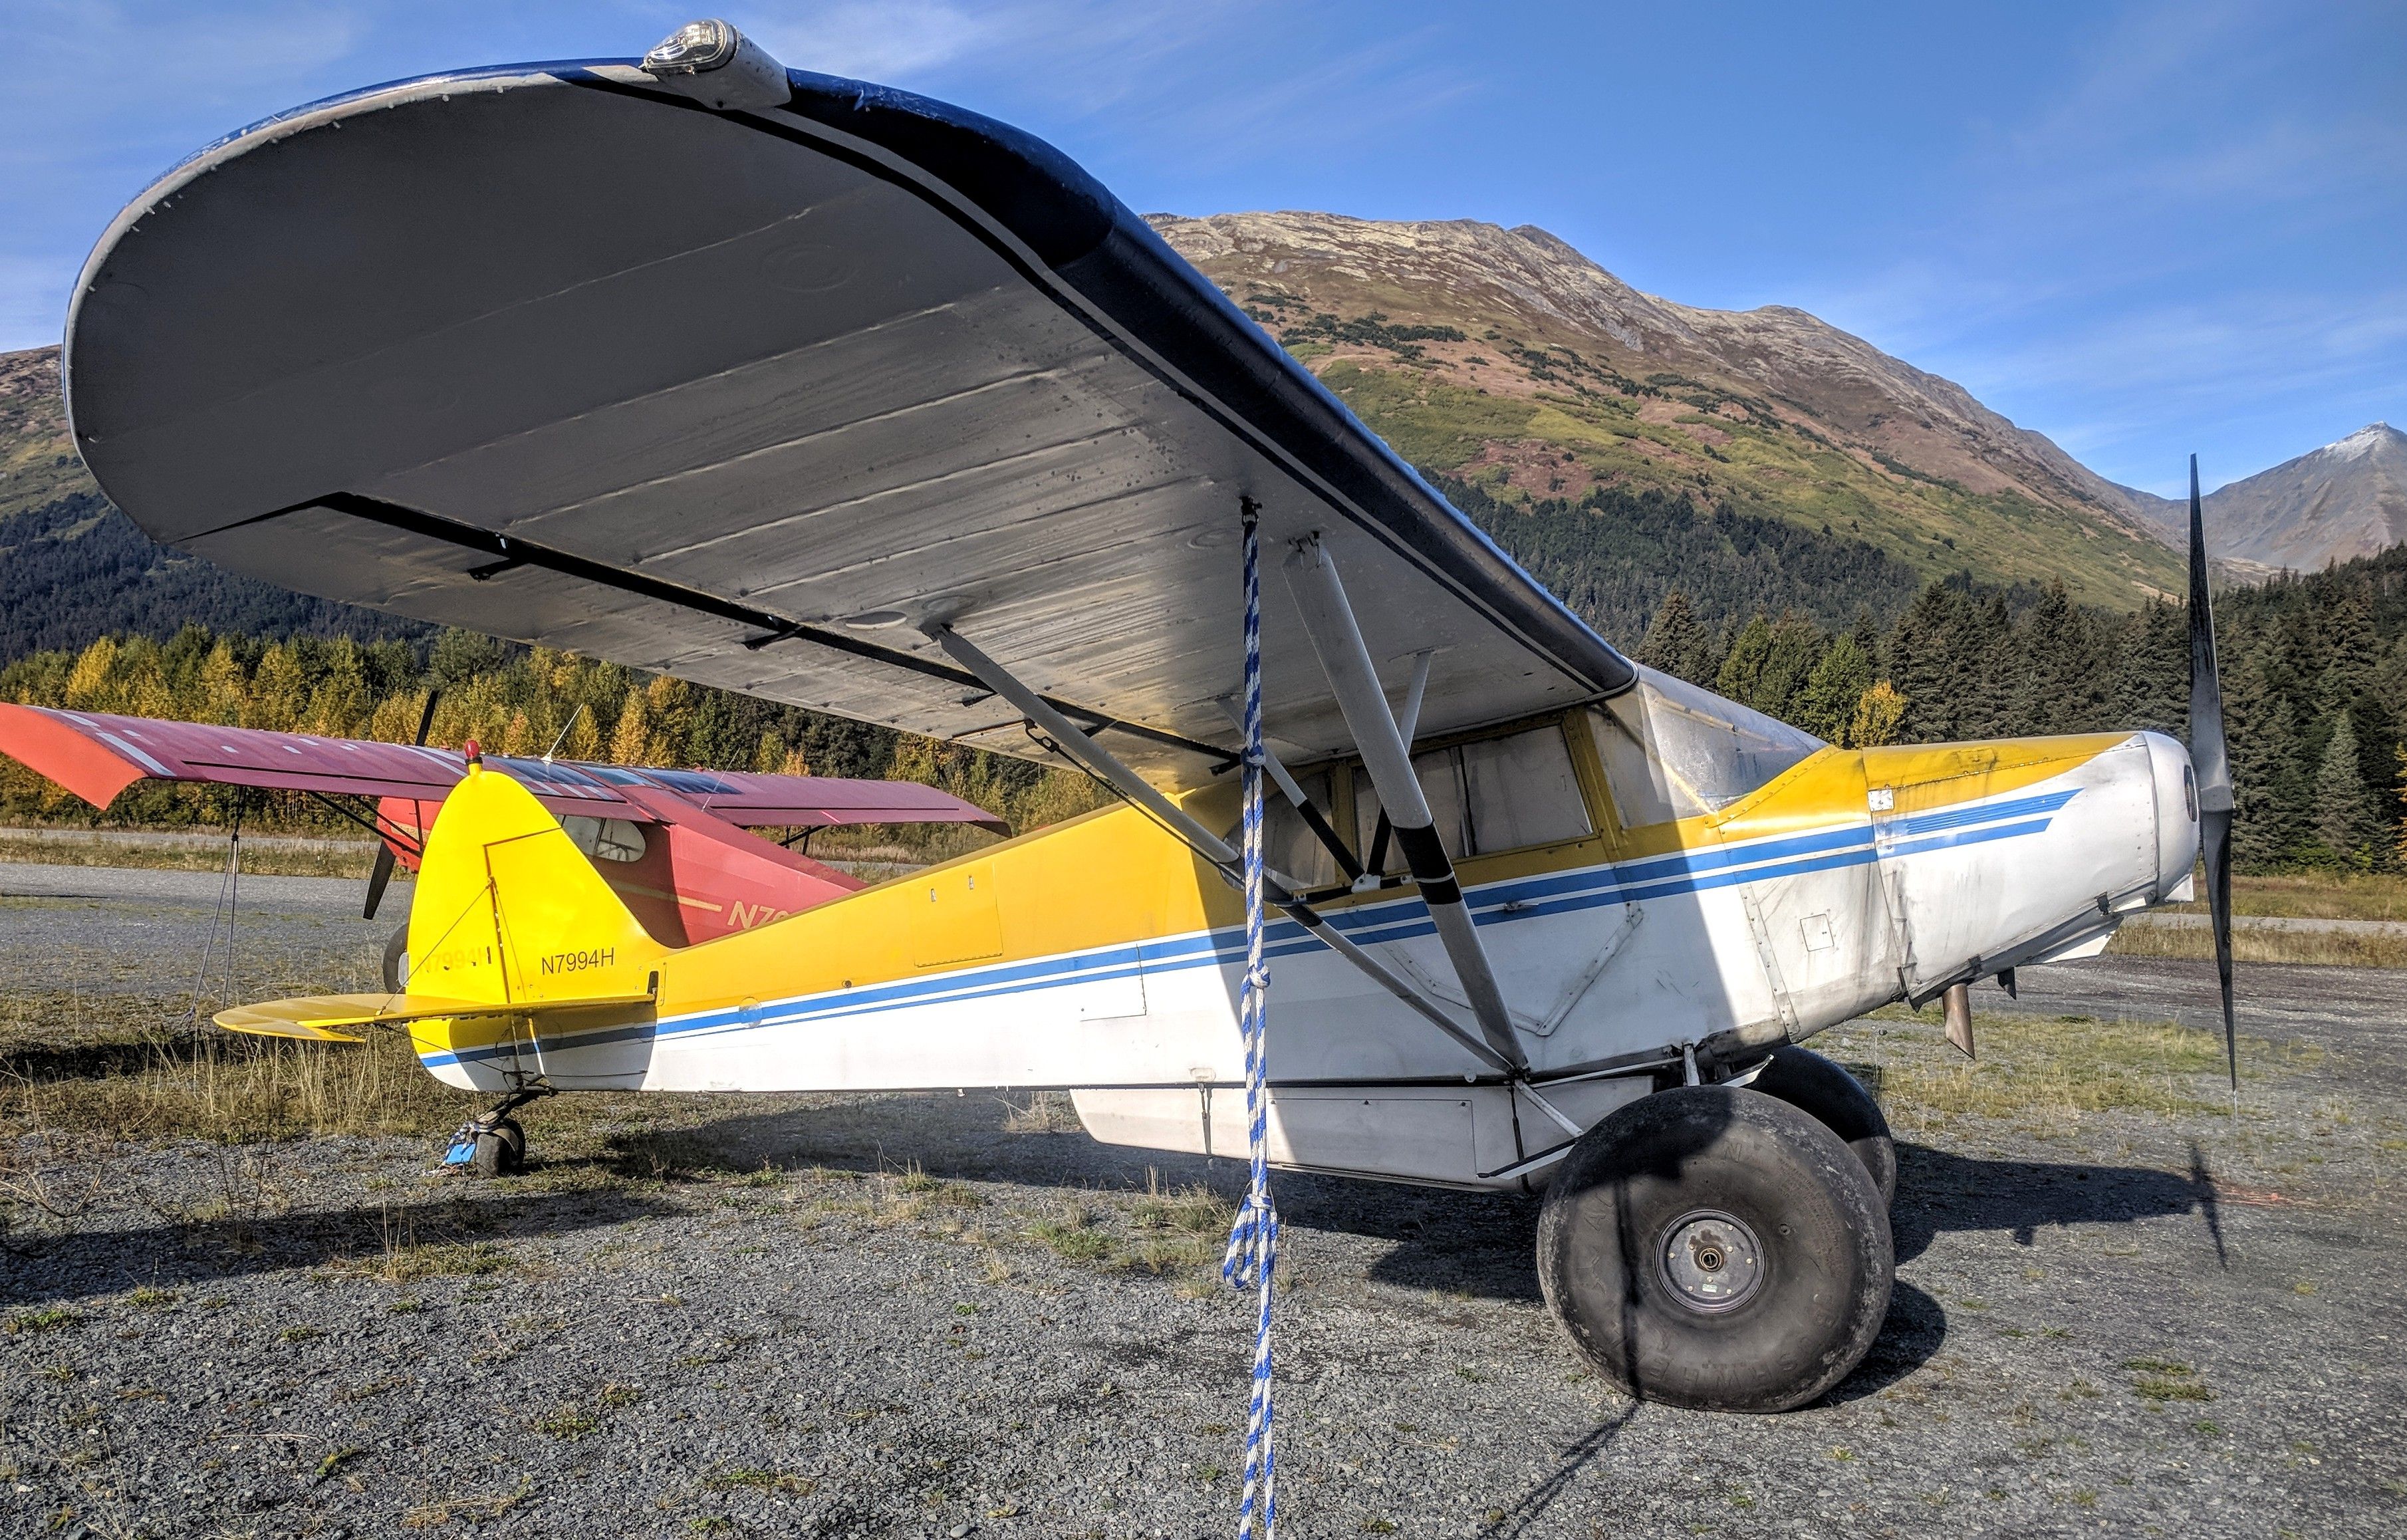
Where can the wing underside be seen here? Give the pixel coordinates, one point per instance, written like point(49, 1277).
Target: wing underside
point(749, 398)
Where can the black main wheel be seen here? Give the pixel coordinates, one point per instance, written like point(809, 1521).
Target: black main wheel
point(1839, 1102)
point(396, 961)
point(1714, 1247)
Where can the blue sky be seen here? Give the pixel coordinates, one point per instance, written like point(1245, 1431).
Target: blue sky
point(2139, 228)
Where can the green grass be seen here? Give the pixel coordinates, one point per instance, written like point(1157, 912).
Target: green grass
point(1071, 1235)
point(44, 1320)
point(753, 1478)
point(2162, 1380)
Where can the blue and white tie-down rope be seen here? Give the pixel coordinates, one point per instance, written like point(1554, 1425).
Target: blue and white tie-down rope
point(1253, 1239)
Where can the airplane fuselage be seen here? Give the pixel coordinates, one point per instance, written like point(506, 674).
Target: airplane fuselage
point(1102, 957)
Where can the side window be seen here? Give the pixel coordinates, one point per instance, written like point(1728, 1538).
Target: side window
point(1289, 844)
point(605, 839)
point(1495, 796)
point(1523, 790)
point(1440, 772)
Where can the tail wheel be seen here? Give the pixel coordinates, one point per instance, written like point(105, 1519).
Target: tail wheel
point(1714, 1247)
point(499, 1148)
point(396, 961)
point(1837, 1100)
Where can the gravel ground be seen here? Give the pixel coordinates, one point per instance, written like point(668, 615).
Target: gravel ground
point(897, 1315)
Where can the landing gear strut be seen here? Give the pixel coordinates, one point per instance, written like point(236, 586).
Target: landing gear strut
point(491, 1144)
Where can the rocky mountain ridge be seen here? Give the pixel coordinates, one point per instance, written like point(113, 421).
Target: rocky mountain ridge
point(2343, 501)
point(1768, 410)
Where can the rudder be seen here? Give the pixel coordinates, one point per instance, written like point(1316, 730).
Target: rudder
point(507, 911)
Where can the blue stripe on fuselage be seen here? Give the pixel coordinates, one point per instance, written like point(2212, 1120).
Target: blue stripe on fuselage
point(1526, 898)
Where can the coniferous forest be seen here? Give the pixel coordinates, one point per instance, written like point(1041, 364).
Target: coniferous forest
point(512, 700)
point(1834, 634)
point(2313, 669)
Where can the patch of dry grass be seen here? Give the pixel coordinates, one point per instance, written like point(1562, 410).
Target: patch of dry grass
point(2044, 1071)
point(1046, 1112)
point(1179, 1231)
point(467, 1510)
point(201, 850)
point(138, 1081)
point(2317, 895)
point(2332, 949)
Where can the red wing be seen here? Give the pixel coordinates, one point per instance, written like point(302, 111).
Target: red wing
point(96, 756)
point(753, 799)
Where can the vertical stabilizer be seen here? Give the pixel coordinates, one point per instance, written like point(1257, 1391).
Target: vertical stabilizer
point(508, 910)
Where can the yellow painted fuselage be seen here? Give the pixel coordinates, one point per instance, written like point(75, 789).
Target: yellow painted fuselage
point(1101, 956)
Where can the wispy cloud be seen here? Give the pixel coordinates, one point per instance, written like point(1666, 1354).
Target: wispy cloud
point(893, 42)
point(1160, 71)
point(2136, 260)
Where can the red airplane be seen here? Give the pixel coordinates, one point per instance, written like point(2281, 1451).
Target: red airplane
point(675, 845)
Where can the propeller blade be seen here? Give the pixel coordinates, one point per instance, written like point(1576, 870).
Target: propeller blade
point(377, 877)
point(2210, 762)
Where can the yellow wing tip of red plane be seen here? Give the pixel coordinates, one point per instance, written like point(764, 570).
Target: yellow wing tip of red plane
point(312, 1018)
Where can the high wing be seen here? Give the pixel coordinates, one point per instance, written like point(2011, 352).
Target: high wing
point(96, 755)
point(753, 397)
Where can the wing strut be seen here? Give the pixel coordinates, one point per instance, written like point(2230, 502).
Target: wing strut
point(1320, 597)
point(1204, 843)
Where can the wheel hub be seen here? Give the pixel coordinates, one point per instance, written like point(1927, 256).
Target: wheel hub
point(1711, 1262)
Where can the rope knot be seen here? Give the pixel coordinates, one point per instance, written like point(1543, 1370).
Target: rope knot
point(1253, 1244)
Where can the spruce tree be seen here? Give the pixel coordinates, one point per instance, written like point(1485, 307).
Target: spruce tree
point(2348, 656)
point(2151, 685)
point(1825, 704)
point(2346, 822)
point(1677, 639)
point(1794, 647)
point(1921, 662)
point(1742, 671)
point(2268, 777)
point(1866, 631)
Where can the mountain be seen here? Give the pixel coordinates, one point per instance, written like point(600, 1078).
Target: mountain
point(2335, 504)
point(73, 568)
point(1507, 359)
point(1618, 443)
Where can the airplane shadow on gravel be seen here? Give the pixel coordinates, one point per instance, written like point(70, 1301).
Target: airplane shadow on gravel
point(173, 1253)
point(1480, 1245)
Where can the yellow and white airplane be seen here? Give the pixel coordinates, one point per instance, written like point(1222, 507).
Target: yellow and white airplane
point(854, 400)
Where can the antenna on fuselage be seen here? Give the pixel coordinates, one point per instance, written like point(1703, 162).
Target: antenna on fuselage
point(2210, 761)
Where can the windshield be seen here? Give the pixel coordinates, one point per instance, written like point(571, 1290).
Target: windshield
point(1671, 751)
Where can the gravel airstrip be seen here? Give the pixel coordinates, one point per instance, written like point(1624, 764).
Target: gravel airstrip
point(2118, 1308)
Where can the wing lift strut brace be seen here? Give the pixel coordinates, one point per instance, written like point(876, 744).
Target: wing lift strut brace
point(1203, 842)
point(1321, 598)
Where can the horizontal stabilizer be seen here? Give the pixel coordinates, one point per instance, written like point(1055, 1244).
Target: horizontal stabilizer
point(312, 1018)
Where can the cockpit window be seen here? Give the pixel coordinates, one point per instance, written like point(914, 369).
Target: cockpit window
point(1671, 751)
point(606, 839)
